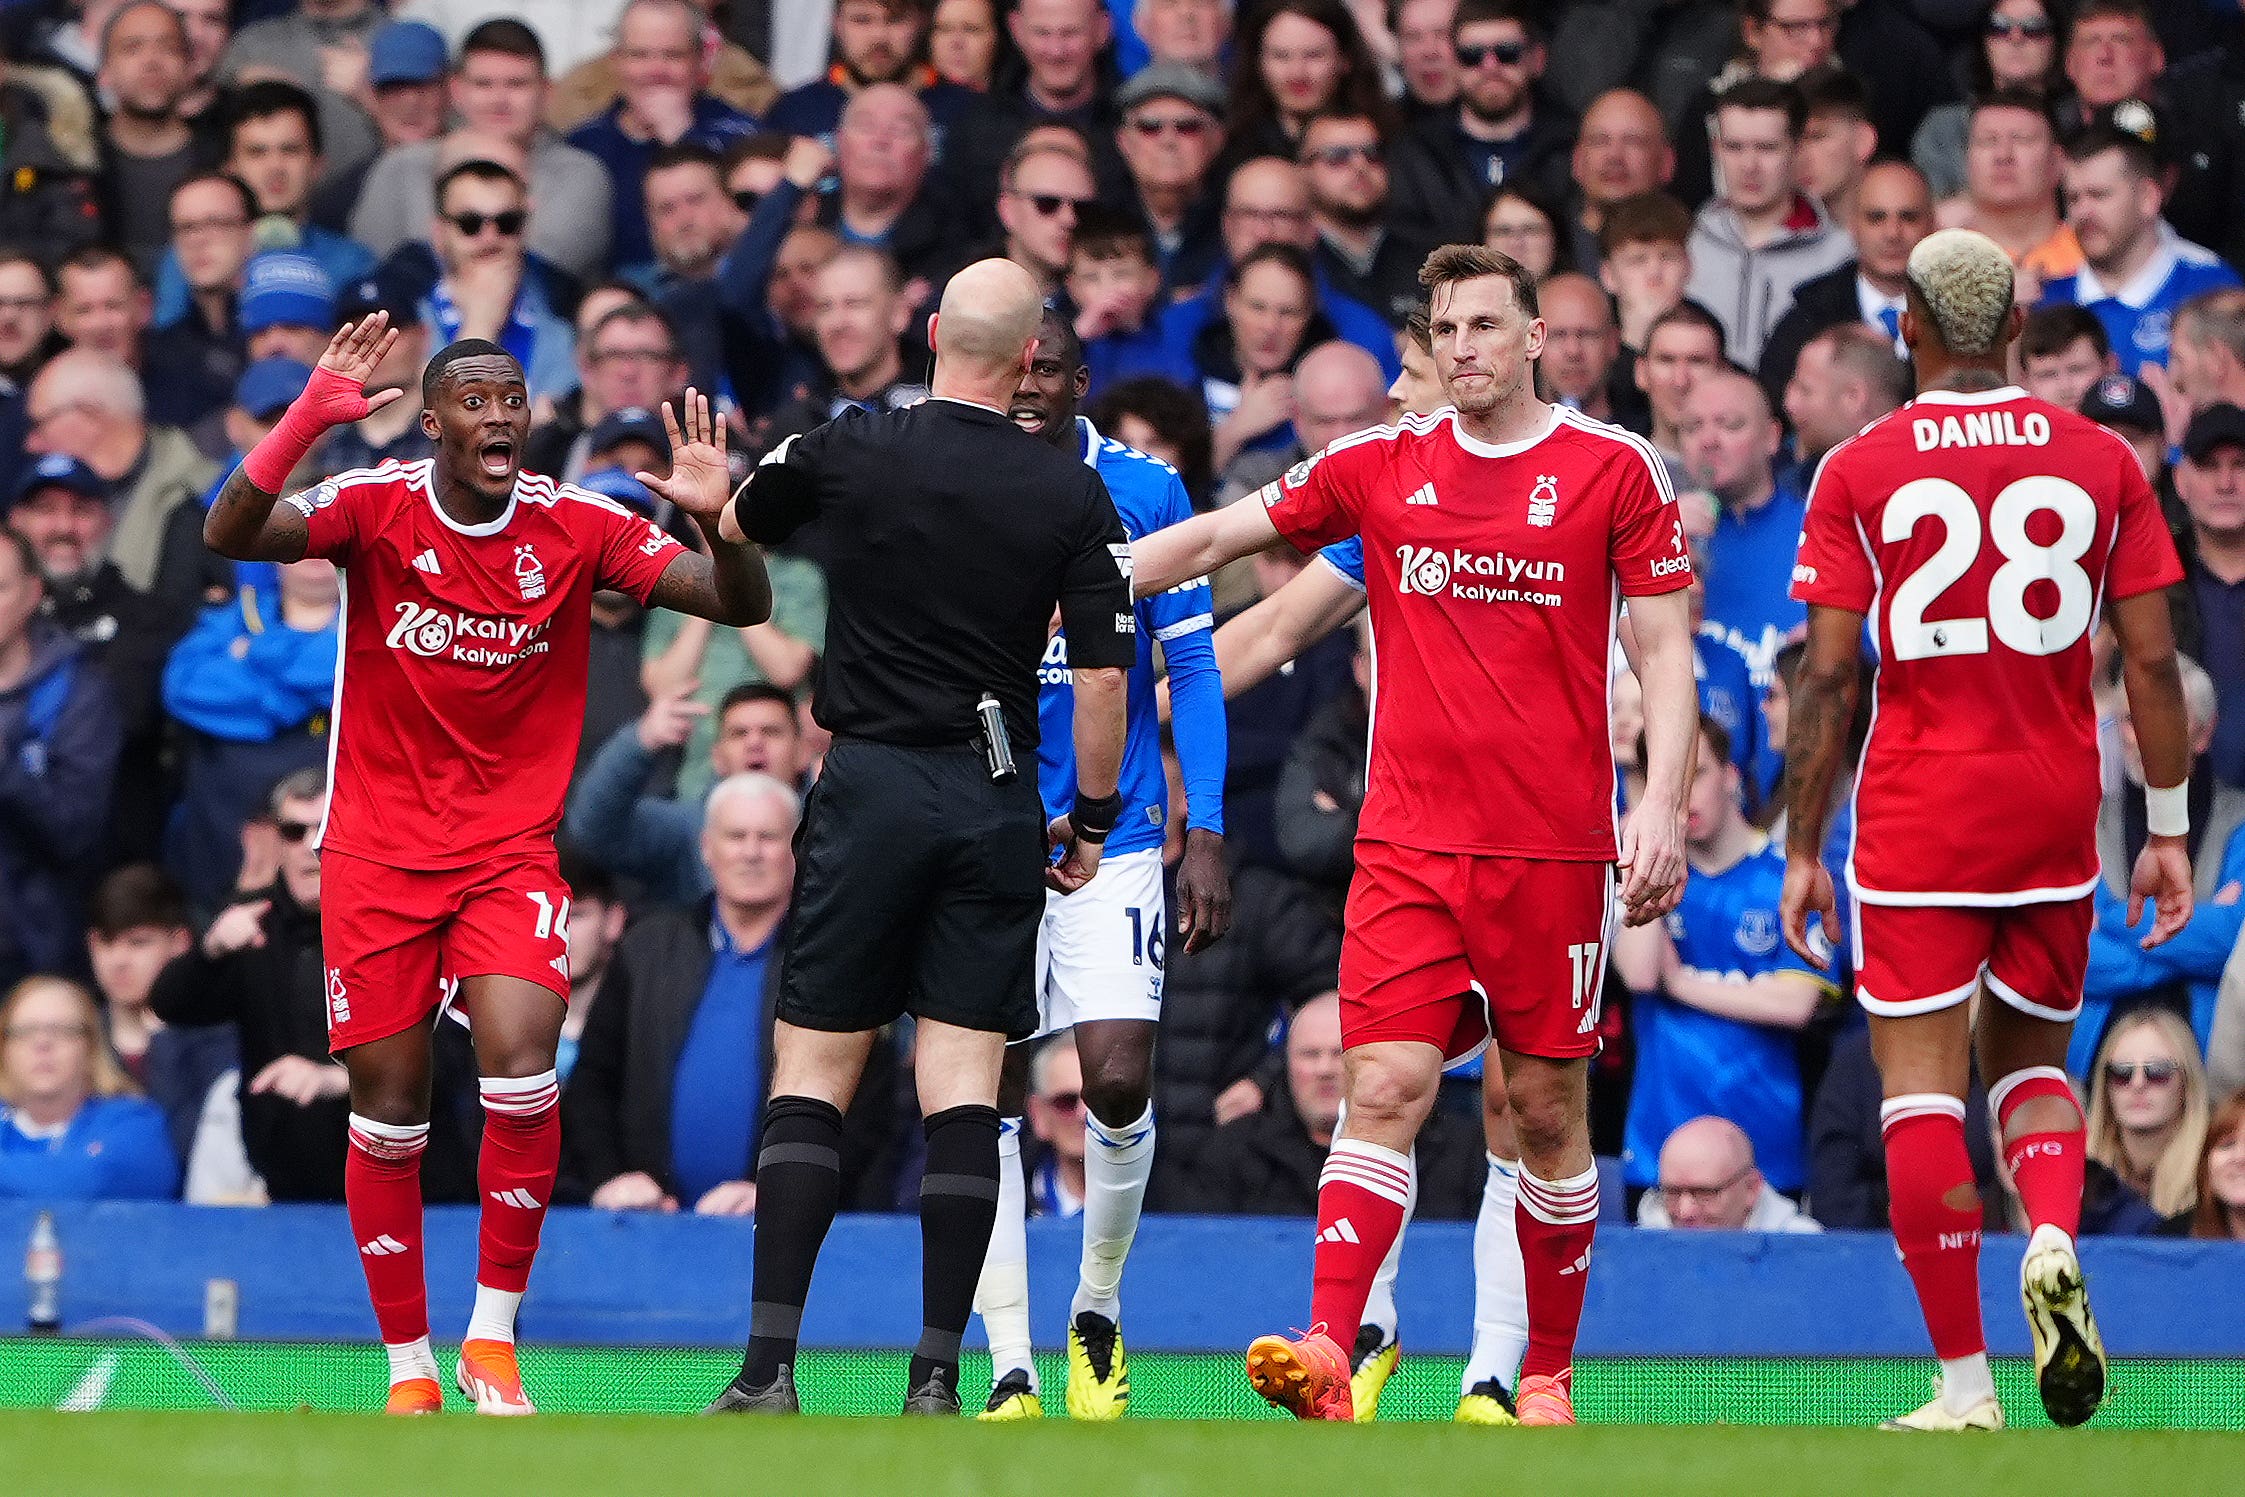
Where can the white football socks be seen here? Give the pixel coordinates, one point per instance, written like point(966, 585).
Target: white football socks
point(1500, 1282)
point(411, 1359)
point(493, 1316)
point(1965, 1381)
point(1117, 1164)
point(1002, 1296)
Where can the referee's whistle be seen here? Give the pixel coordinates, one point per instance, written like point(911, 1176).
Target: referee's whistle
point(997, 749)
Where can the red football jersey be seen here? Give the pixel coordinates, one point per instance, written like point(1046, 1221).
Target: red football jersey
point(1980, 534)
point(1494, 575)
point(460, 696)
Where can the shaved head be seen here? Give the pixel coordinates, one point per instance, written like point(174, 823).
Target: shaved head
point(989, 316)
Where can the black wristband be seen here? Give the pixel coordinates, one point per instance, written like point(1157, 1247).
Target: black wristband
point(1093, 818)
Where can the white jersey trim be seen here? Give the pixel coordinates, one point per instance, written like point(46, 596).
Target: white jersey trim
point(489, 527)
point(335, 698)
point(1965, 899)
point(1183, 627)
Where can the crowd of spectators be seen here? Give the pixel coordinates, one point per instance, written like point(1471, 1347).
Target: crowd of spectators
point(764, 200)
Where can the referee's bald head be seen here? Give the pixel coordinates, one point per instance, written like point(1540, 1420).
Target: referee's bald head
point(989, 315)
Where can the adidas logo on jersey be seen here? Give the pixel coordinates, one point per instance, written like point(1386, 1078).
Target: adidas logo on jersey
point(384, 1246)
point(1341, 1231)
point(1424, 495)
point(521, 1200)
point(427, 562)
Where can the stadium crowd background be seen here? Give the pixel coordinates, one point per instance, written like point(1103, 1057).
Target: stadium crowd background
point(763, 198)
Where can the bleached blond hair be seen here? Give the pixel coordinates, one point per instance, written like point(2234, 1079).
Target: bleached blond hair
point(1963, 278)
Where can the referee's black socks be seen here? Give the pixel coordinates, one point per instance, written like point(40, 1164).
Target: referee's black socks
point(798, 1188)
point(958, 1202)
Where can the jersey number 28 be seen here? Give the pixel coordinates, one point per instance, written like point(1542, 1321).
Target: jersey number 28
point(2025, 561)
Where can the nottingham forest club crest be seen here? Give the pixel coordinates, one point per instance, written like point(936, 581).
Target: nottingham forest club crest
point(1543, 501)
point(529, 573)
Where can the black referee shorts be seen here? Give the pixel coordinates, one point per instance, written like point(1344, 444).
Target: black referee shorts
point(919, 888)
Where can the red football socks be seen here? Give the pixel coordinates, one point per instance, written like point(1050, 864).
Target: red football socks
point(1361, 1197)
point(514, 1175)
point(1556, 1220)
point(2046, 1167)
point(1935, 1208)
point(382, 1192)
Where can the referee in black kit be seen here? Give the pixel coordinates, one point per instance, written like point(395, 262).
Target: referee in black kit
point(921, 864)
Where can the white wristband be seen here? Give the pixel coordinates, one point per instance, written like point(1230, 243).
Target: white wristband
point(2168, 811)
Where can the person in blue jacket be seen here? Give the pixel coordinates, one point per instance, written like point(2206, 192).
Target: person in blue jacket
point(72, 1127)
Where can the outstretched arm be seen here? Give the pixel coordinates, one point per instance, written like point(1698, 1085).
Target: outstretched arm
point(1251, 647)
point(1823, 705)
point(243, 524)
point(1160, 561)
point(728, 585)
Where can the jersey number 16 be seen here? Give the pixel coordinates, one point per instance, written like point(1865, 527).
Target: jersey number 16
point(2025, 561)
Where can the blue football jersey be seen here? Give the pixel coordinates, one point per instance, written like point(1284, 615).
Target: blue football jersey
point(1347, 558)
point(1749, 578)
point(2139, 316)
point(1691, 1063)
point(1148, 496)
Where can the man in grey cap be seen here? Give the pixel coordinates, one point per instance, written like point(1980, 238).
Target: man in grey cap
point(2210, 603)
point(1170, 134)
point(2125, 406)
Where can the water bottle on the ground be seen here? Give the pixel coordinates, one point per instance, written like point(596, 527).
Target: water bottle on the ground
point(42, 1275)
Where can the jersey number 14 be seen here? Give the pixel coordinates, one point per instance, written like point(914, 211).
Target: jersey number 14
point(2025, 562)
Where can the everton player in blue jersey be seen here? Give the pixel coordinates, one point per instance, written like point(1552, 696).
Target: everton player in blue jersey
point(1719, 995)
point(1099, 957)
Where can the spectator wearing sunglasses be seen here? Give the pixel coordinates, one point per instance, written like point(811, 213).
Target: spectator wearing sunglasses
point(1172, 132)
point(483, 290)
point(1062, 83)
point(1502, 129)
point(1056, 1119)
point(1044, 187)
point(2016, 47)
point(2148, 1109)
point(1344, 154)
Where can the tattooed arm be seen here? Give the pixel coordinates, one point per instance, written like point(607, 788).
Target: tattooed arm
point(1822, 708)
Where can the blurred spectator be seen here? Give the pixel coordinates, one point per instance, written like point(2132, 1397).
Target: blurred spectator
point(137, 923)
point(478, 231)
point(1345, 159)
point(1846, 378)
point(860, 313)
point(1164, 419)
point(1296, 59)
point(877, 41)
point(1779, 41)
point(88, 406)
point(664, 100)
point(1060, 42)
point(1266, 1163)
point(2016, 47)
point(251, 686)
point(2148, 1108)
point(597, 916)
point(287, 308)
point(100, 304)
point(768, 290)
point(1522, 224)
point(72, 1125)
point(498, 91)
point(1502, 130)
point(1847, 1156)
point(1643, 262)
point(2198, 119)
point(963, 40)
point(26, 319)
point(1337, 390)
point(1170, 136)
point(2220, 1214)
point(1621, 151)
point(1683, 347)
point(1580, 347)
point(1114, 284)
point(1837, 141)
point(2011, 172)
point(1424, 55)
point(49, 158)
point(193, 360)
point(1709, 1181)
point(654, 839)
point(393, 432)
point(1042, 189)
point(1730, 445)
point(2206, 357)
point(2135, 269)
point(662, 1108)
point(693, 222)
point(2128, 408)
point(2063, 352)
point(1056, 1121)
point(405, 70)
point(589, 85)
point(1244, 361)
point(883, 150)
point(2210, 604)
point(629, 361)
point(1755, 242)
point(1321, 789)
point(1186, 33)
point(710, 662)
point(258, 969)
point(320, 45)
point(1718, 997)
point(149, 145)
point(2186, 970)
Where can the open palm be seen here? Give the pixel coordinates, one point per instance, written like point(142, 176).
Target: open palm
point(700, 481)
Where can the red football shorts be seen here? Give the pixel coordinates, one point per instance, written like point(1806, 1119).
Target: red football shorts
point(1454, 948)
point(1914, 959)
point(398, 940)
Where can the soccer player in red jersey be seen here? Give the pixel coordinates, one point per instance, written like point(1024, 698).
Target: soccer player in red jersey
point(1981, 531)
point(1499, 537)
point(466, 621)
